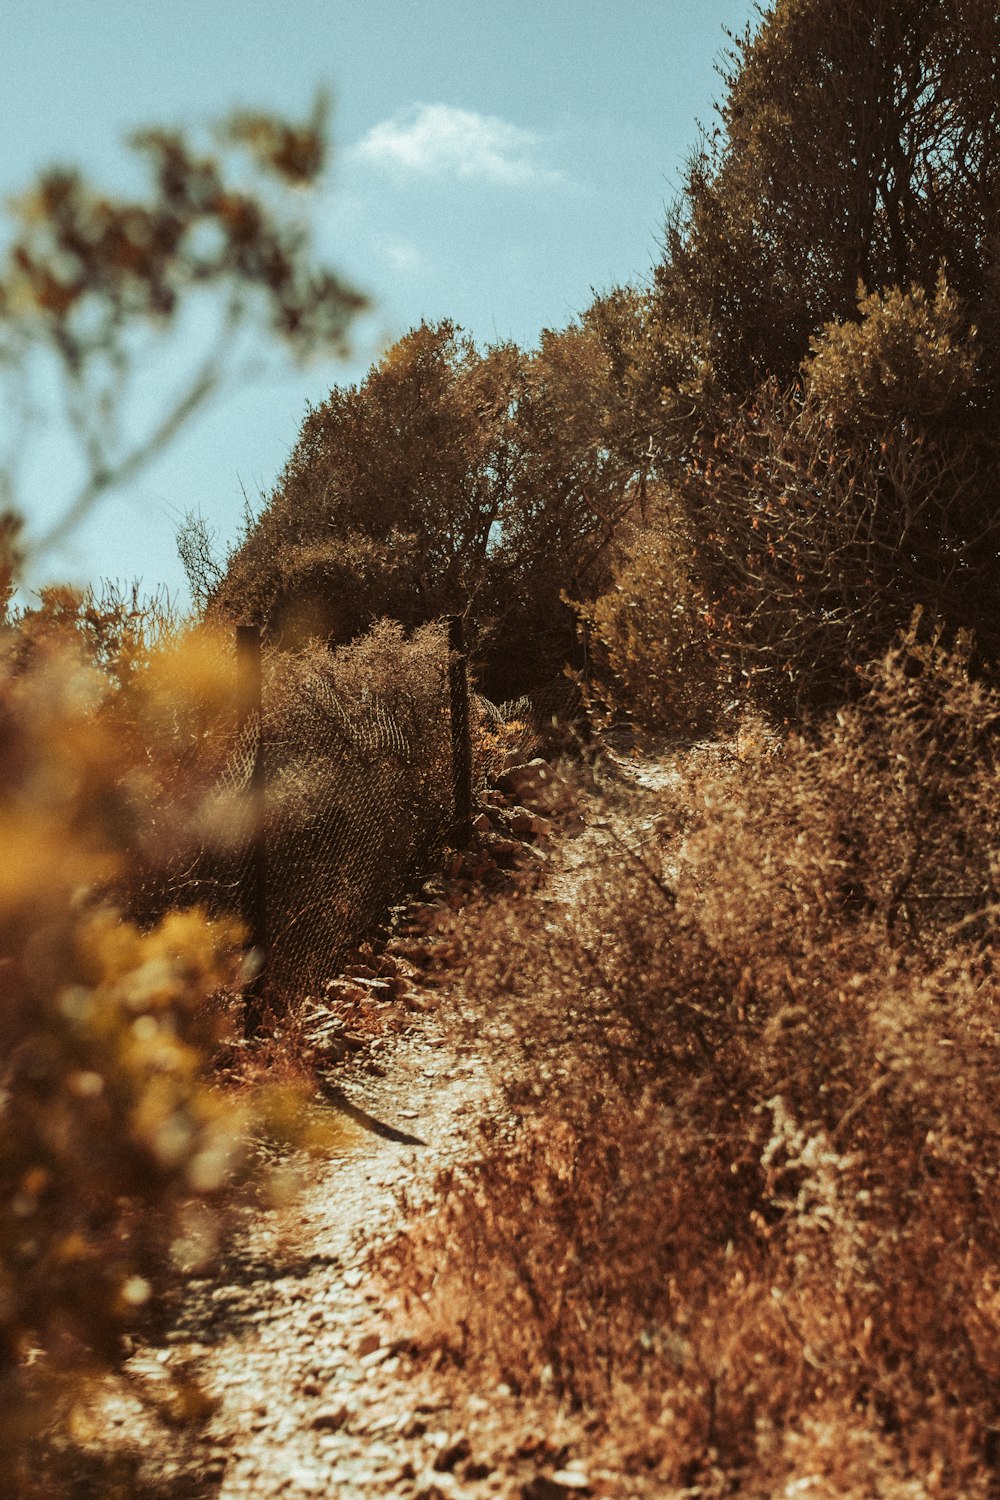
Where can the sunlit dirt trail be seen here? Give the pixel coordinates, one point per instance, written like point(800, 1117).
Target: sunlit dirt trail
point(296, 1344)
point(312, 1397)
point(293, 1342)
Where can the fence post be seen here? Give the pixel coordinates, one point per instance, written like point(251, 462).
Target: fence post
point(461, 731)
point(586, 728)
point(253, 879)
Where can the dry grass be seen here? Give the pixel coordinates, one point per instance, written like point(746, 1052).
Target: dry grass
point(746, 1228)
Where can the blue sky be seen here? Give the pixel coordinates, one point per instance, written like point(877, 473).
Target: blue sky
point(493, 164)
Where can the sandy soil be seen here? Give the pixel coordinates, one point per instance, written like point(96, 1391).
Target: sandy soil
point(294, 1351)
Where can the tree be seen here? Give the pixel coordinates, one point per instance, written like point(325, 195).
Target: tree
point(858, 141)
point(89, 284)
point(450, 479)
point(817, 364)
point(391, 501)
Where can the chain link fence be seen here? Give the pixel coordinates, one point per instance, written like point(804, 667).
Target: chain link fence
point(347, 777)
point(359, 806)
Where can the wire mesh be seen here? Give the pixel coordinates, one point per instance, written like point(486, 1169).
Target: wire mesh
point(360, 799)
point(359, 808)
point(358, 805)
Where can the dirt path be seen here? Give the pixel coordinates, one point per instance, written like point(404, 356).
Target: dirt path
point(294, 1343)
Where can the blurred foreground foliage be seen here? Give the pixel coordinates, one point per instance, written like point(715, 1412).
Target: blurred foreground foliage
point(213, 261)
point(119, 1154)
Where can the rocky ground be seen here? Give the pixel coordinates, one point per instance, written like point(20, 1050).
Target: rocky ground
point(287, 1374)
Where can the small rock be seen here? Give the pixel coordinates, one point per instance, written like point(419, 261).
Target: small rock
point(438, 1487)
point(415, 1001)
point(571, 1479)
point(331, 1419)
point(378, 1425)
point(506, 851)
point(306, 1479)
point(539, 787)
point(557, 1486)
point(452, 1453)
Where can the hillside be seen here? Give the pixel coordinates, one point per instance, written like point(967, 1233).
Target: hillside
point(631, 1204)
point(502, 997)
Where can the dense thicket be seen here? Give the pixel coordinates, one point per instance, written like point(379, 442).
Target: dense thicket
point(743, 1240)
point(817, 363)
point(856, 142)
point(450, 479)
point(760, 466)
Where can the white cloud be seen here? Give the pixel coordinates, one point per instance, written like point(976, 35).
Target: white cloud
point(400, 255)
point(438, 140)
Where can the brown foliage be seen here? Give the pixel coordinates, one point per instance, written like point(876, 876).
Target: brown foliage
point(857, 142)
point(451, 479)
point(119, 1152)
point(115, 1150)
point(834, 449)
point(360, 794)
point(746, 1223)
point(909, 358)
point(820, 526)
point(655, 653)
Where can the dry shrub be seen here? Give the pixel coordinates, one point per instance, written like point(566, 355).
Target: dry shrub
point(390, 671)
point(450, 479)
point(110, 1134)
point(746, 1224)
point(909, 357)
point(164, 692)
point(361, 803)
point(502, 735)
point(118, 1154)
point(652, 639)
point(821, 517)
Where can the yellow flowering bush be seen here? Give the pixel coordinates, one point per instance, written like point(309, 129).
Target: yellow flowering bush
point(114, 1148)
